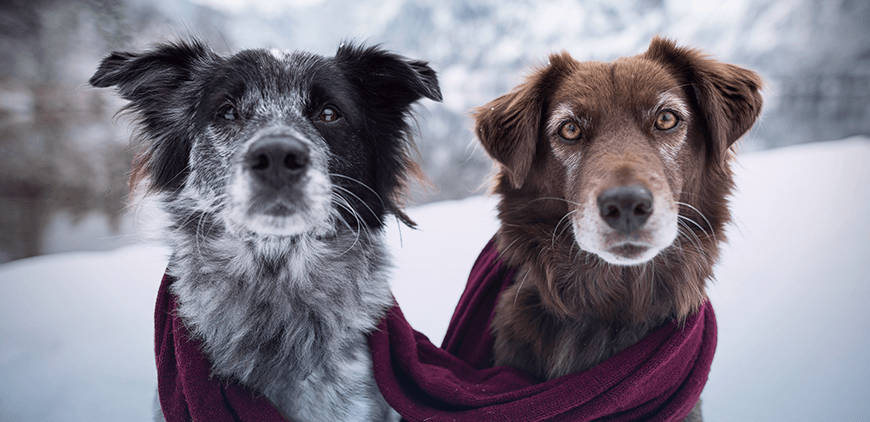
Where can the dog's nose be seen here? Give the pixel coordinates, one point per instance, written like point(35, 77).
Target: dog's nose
point(277, 161)
point(626, 208)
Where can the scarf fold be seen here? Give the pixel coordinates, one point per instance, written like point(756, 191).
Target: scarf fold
point(186, 389)
point(659, 378)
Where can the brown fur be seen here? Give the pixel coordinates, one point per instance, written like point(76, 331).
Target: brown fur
point(568, 309)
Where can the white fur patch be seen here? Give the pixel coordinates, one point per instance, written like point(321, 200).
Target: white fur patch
point(669, 100)
point(563, 113)
point(670, 151)
point(150, 219)
point(594, 235)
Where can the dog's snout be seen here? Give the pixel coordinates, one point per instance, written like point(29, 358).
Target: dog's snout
point(277, 160)
point(626, 208)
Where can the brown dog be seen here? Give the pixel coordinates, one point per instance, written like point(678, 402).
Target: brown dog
point(614, 180)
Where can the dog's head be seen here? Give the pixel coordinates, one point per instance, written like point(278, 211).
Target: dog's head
point(630, 152)
point(272, 143)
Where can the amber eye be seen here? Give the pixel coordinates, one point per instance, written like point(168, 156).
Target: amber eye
point(328, 115)
point(228, 113)
point(569, 131)
point(666, 120)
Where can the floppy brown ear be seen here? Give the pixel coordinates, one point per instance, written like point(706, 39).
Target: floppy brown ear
point(508, 126)
point(729, 96)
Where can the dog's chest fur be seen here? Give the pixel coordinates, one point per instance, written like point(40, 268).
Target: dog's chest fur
point(290, 325)
point(566, 312)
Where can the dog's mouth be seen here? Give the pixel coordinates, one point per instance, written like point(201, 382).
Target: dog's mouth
point(276, 209)
point(283, 218)
point(629, 251)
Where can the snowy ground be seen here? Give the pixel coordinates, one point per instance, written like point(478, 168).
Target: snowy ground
point(791, 299)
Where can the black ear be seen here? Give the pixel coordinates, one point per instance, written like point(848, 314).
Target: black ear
point(156, 84)
point(729, 96)
point(151, 75)
point(387, 79)
point(508, 127)
point(388, 85)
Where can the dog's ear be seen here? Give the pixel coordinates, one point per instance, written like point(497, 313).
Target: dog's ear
point(388, 80)
point(152, 75)
point(152, 81)
point(389, 84)
point(729, 96)
point(508, 127)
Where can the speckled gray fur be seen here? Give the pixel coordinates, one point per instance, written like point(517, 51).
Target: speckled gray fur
point(292, 325)
point(279, 277)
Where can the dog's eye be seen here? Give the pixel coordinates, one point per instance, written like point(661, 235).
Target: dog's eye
point(228, 113)
point(666, 120)
point(328, 115)
point(569, 131)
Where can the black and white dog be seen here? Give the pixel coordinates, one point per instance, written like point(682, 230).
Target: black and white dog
point(276, 170)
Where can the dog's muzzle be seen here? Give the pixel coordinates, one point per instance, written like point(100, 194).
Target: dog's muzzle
point(279, 187)
point(626, 224)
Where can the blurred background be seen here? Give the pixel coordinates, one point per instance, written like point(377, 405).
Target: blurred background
point(64, 155)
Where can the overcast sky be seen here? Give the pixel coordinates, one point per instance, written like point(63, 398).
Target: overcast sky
point(265, 7)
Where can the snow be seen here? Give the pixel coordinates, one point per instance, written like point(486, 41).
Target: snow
point(75, 335)
point(790, 295)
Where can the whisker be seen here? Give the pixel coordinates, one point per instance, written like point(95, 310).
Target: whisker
point(500, 255)
point(696, 242)
point(712, 232)
point(362, 184)
point(553, 243)
point(198, 237)
point(345, 204)
point(553, 198)
point(341, 202)
point(683, 218)
point(374, 214)
point(517, 295)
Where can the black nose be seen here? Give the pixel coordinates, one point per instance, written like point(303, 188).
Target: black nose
point(626, 208)
point(277, 161)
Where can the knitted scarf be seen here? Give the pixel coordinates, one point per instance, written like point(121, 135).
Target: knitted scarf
point(658, 379)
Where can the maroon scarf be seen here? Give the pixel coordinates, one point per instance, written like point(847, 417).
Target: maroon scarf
point(185, 386)
point(658, 379)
